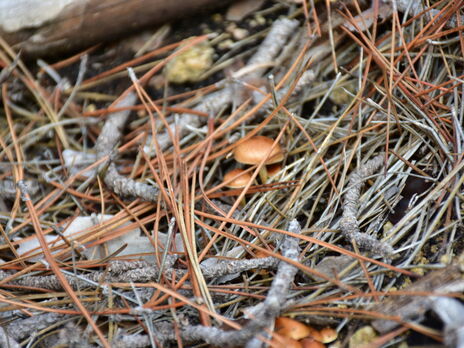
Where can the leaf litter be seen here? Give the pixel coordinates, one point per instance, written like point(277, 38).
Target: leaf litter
point(362, 97)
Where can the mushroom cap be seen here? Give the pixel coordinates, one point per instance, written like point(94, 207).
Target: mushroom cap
point(273, 169)
point(292, 328)
point(311, 343)
point(284, 342)
point(328, 335)
point(241, 178)
point(253, 150)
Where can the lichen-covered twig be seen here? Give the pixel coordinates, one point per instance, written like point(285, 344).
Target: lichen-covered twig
point(6, 340)
point(416, 7)
point(277, 296)
point(20, 329)
point(107, 140)
point(280, 31)
point(123, 340)
point(142, 272)
point(111, 131)
point(135, 271)
point(349, 222)
point(226, 267)
point(8, 188)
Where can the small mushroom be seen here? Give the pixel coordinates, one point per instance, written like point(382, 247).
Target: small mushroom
point(311, 343)
point(237, 178)
point(328, 335)
point(273, 169)
point(255, 149)
point(284, 342)
point(293, 329)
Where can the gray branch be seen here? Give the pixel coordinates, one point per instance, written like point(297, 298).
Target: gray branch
point(414, 7)
point(6, 340)
point(141, 272)
point(106, 142)
point(349, 222)
point(21, 329)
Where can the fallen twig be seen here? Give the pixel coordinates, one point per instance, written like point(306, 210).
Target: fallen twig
point(106, 142)
point(142, 272)
point(277, 296)
point(349, 222)
point(416, 7)
point(6, 340)
point(8, 188)
point(23, 328)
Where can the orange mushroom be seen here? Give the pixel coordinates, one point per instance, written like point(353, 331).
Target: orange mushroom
point(311, 343)
point(237, 178)
point(328, 335)
point(273, 169)
point(256, 149)
point(284, 342)
point(291, 328)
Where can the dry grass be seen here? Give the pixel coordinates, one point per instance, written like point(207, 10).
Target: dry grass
point(395, 88)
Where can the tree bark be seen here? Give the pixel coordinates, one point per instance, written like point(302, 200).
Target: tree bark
point(48, 27)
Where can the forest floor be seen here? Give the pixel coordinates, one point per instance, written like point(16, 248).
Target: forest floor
point(291, 174)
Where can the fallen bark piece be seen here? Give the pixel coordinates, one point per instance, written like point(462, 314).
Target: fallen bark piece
point(76, 161)
point(331, 266)
point(47, 27)
point(31, 245)
point(451, 312)
point(242, 8)
point(134, 242)
point(412, 308)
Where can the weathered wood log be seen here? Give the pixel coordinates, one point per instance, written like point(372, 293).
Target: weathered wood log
point(49, 27)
